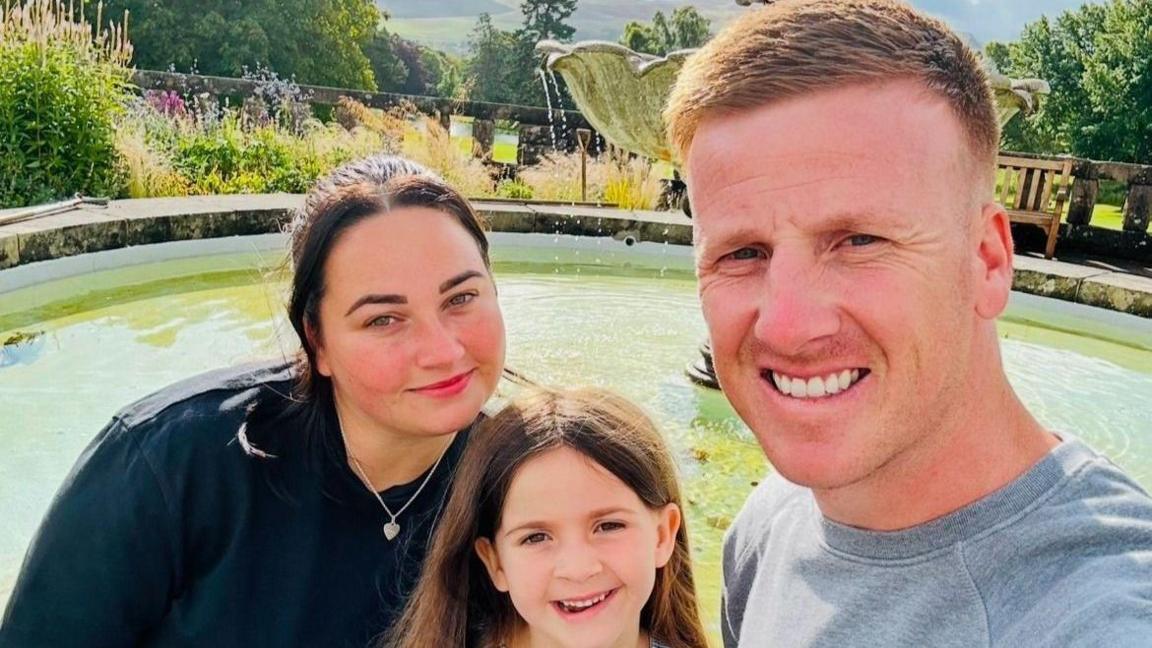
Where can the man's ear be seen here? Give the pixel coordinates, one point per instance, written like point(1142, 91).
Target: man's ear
point(668, 525)
point(993, 262)
point(313, 336)
point(487, 552)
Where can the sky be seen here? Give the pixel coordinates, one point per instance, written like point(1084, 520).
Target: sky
point(989, 20)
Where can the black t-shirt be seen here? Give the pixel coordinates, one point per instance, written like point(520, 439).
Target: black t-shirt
point(166, 533)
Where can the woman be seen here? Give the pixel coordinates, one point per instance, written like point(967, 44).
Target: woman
point(287, 504)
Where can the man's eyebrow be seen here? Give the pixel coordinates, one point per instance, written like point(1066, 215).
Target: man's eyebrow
point(377, 299)
point(459, 279)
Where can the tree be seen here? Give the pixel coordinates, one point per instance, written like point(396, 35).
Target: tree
point(315, 41)
point(544, 19)
point(1098, 61)
point(429, 72)
point(492, 62)
point(389, 71)
point(686, 29)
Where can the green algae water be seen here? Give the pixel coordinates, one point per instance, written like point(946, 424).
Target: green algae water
point(591, 312)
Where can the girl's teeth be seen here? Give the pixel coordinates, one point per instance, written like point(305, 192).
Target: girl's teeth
point(582, 605)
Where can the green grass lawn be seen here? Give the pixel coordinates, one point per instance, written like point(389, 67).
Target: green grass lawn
point(1109, 217)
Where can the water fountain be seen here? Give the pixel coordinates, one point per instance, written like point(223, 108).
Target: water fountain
point(622, 94)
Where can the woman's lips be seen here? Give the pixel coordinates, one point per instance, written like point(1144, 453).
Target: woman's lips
point(449, 387)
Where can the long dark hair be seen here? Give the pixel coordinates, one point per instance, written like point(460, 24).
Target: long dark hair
point(305, 418)
point(455, 604)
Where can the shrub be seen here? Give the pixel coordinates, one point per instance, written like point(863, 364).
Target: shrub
point(61, 87)
point(514, 189)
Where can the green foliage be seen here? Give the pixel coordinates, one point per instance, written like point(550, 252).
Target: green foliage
point(497, 67)
point(513, 189)
point(1098, 60)
point(686, 29)
point(428, 72)
point(316, 41)
point(544, 19)
point(61, 88)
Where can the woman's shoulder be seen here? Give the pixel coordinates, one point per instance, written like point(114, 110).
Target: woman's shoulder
point(215, 400)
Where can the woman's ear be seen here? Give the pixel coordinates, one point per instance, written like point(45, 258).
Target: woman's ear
point(667, 526)
point(487, 552)
point(313, 336)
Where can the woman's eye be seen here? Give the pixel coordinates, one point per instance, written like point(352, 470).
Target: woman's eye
point(382, 321)
point(534, 538)
point(461, 299)
point(610, 526)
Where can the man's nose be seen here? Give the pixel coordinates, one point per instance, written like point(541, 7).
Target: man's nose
point(798, 305)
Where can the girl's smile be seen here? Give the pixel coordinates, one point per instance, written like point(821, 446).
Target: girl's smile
point(577, 551)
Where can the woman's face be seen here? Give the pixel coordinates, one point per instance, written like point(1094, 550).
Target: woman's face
point(410, 329)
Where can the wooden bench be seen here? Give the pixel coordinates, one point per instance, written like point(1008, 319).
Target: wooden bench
point(1035, 192)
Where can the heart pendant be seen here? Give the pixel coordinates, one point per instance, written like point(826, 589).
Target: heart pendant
point(391, 530)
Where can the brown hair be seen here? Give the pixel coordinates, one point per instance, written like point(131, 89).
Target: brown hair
point(792, 48)
point(455, 604)
point(358, 190)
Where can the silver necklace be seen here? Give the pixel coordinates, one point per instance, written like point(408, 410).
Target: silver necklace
point(391, 528)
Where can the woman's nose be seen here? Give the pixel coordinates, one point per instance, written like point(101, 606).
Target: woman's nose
point(438, 345)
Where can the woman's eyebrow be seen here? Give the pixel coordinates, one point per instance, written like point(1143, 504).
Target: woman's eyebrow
point(459, 279)
point(377, 299)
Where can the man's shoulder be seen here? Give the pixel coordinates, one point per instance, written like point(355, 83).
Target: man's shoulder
point(775, 499)
point(222, 395)
point(1078, 563)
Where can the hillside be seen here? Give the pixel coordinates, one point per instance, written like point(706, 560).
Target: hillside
point(445, 24)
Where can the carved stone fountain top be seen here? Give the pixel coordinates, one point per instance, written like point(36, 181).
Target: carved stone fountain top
point(622, 93)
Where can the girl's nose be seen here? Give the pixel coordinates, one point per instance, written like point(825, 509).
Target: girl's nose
point(578, 562)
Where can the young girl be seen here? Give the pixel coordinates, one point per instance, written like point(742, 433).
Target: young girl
point(564, 529)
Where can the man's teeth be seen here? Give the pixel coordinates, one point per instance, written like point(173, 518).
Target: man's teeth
point(585, 603)
point(816, 386)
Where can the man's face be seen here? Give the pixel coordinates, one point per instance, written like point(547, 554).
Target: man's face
point(838, 268)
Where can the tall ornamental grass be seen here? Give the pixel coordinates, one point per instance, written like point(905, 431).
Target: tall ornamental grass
point(62, 86)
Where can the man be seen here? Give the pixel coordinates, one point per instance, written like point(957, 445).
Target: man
point(839, 156)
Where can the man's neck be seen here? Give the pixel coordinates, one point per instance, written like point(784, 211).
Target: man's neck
point(990, 447)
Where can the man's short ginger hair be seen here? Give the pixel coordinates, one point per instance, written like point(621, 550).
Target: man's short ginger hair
point(793, 48)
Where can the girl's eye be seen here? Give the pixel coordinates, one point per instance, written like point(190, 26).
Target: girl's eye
point(610, 526)
point(744, 254)
point(534, 538)
point(382, 321)
point(462, 298)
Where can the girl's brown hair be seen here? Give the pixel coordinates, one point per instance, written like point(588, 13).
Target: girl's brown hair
point(455, 605)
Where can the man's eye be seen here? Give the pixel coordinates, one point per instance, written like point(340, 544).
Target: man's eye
point(744, 254)
point(860, 240)
point(534, 538)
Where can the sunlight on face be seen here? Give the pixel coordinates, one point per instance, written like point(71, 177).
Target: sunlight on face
point(577, 551)
point(410, 329)
point(837, 276)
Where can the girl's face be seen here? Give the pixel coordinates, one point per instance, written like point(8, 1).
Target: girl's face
point(577, 551)
point(410, 330)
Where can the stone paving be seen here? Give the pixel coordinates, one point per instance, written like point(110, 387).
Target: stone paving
point(1119, 286)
